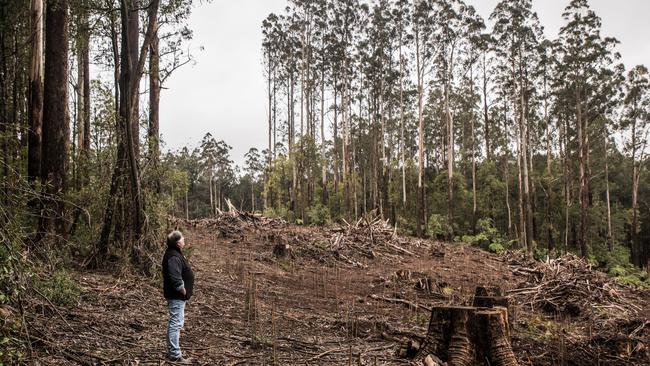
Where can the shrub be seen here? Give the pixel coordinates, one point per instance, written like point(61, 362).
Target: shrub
point(630, 275)
point(438, 227)
point(496, 248)
point(275, 213)
point(318, 214)
point(60, 288)
point(488, 237)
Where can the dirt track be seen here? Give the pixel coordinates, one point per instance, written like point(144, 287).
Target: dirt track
point(249, 306)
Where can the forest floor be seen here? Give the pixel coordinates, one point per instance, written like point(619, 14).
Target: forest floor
point(337, 295)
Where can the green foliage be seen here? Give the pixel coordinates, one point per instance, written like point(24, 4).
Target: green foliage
point(276, 212)
point(617, 264)
point(438, 227)
point(59, 288)
point(602, 257)
point(318, 214)
point(631, 276)
point(496, 248)
point(487, 237)
point(406, 226)
point(541, 254)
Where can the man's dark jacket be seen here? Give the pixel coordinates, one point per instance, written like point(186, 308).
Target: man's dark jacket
point(177, 274)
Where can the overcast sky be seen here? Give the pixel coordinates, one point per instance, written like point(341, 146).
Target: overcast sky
point(224, 91)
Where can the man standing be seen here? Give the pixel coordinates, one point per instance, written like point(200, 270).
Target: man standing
point(178, 280)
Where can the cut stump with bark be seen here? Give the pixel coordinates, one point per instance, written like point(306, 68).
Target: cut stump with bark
point(470, 335)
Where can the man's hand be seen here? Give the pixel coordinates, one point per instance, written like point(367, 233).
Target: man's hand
point(183, 291)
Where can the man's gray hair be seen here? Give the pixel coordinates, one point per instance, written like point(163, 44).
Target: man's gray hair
point(173, 238)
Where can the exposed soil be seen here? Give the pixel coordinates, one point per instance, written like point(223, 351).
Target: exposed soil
point(341, 295)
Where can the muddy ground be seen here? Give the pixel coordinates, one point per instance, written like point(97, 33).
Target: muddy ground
point(342, 295)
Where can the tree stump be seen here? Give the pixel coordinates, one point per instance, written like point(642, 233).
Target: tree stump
point(467, 336)
point(283, 251)
point(492, 297)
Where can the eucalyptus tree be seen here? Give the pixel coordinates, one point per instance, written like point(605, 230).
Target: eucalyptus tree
point(401, 16)
point(253, 163)
point(545, 72)
point(423, 19)
point(56, 129)
point(208, 160)
point(167, 54)
point(35, 92)
point(322, 62)
point(225, 172)
point(271, 30)
point(448, 35)
point(636, 126)
point(344, 22)
point(130, 74)
point(473, 25)
point(517, 32)
point(375, 53)
point(586, 63)
point(485, 45)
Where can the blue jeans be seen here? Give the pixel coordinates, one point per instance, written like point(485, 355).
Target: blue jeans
point(176, 321)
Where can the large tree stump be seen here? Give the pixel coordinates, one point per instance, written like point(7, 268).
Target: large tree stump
point(492, 297)
point(466, 336)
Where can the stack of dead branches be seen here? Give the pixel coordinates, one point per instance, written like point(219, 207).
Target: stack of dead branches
point(369, 237)
point(568, 286)
point(229, 223)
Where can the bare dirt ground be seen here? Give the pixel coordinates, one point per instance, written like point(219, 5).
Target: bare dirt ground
point(343, 295)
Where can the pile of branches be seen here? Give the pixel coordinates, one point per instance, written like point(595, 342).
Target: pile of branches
point(370, 237)
point(569, 286)
point(228, 224)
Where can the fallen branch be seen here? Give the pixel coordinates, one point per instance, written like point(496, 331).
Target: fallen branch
point(400, 301)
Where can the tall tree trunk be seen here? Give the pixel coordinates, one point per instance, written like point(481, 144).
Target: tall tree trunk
point(610, 239)
point(636, 246)
point(549, 186)
point(506, 167)
point(212, 203)
point(584, 193)
point(473, 151)
point(335, 137)
point(522, 215)
point(322, 134)
point(450, 146)
point(35, 93)
point(4, 125)
point(526, 177)
point(77, 129)
point(485, 110)
point(402, 146)
point(86, 92)
point(127, 109)
point(420, 81)
point(56, 130)
point(154, 99)
point(134, 82)
point(564, 150)
point(270, 106)
point(128, 95)
point(120, 164)
point(636, 173)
